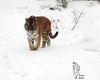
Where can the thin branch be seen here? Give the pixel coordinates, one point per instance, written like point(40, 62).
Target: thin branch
point(76, 22)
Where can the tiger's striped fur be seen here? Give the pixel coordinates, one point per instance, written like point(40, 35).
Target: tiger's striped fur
point(36, 28)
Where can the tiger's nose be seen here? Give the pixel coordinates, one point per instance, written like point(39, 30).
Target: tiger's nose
point(25, 27)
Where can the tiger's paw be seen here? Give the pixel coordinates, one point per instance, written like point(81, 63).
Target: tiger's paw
point(33, 49)
point(43, 46)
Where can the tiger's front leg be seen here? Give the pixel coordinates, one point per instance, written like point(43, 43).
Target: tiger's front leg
point(31, 42)
point(33, 39)
point(38, 40)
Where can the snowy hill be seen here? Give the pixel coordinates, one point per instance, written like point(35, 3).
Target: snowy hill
point(81, 45)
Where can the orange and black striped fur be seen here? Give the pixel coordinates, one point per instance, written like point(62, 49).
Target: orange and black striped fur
point(36, 28)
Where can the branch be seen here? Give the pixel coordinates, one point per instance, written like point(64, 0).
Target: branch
point(76, 21)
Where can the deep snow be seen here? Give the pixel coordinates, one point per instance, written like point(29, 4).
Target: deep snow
point(82, 45)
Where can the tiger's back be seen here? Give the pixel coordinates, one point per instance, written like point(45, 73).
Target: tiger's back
point(43, 23)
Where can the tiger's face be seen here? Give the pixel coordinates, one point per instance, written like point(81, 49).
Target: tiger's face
point(30, 24)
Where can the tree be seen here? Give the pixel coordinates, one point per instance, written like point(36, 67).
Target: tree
point(63, 3)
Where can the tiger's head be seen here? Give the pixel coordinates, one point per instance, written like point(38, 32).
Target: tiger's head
point(30, 24)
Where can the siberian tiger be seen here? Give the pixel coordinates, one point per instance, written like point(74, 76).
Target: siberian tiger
point(37, 27)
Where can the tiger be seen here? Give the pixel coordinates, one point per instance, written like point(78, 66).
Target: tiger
point(37, 28)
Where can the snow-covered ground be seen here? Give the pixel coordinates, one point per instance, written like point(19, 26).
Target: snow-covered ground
point(81, 45)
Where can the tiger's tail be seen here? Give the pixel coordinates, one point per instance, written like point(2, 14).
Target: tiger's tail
point(53, 36)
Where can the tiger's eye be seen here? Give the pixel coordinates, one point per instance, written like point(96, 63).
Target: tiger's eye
point(33, 24)
point(35, 27)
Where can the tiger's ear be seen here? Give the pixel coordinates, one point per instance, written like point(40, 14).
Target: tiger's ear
point(26, 19)
point(36, 18)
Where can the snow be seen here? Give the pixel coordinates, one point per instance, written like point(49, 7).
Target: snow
point(81, 45)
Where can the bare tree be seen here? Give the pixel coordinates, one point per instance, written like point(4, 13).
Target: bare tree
point(63, 3)
point(76, 19)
